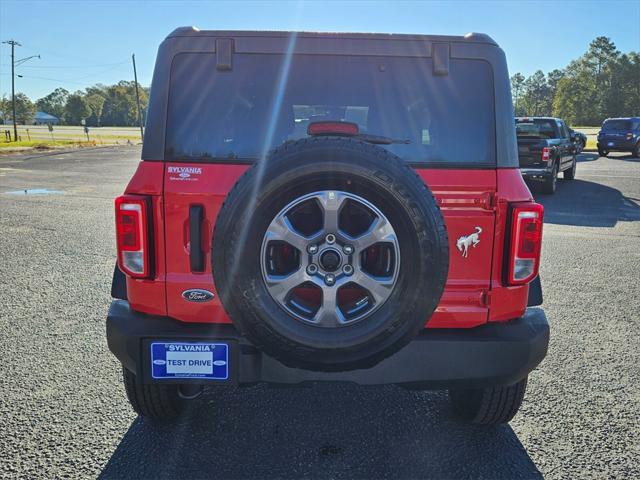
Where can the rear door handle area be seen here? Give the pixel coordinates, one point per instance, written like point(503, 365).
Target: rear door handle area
point(196, 255)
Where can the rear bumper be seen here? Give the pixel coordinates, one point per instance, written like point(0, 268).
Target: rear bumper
point(536, 173)
point(618, 145)
point(489, 355)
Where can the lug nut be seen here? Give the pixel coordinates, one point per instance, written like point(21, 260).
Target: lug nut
point(312, 269)
point(347, 269)
point(329, 279)
point(312, 249)
point(330, 239)
point(348, 249)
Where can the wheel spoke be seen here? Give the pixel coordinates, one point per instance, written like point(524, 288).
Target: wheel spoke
point(378, 287)
point(331, 202)
point(329, 314)
point(379, 231)
point(281, 229)
point(280, 285)
point(317, 272)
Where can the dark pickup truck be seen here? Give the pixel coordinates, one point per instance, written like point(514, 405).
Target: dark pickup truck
point(545, 148)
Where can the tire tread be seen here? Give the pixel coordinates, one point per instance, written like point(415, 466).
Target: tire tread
point(489, 406)
point(154, 401)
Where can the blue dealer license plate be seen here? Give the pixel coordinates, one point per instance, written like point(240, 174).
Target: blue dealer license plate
point(190, 360)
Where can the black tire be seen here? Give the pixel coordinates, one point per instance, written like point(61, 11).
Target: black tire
point(602, 152)
point(570, 173)
point(550, 183)
point(636, 150)
point(161, 402)
point(488, 406)
point(330, 163)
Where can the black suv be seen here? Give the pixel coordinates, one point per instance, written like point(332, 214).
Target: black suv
point(545, 148)
point(619, 135)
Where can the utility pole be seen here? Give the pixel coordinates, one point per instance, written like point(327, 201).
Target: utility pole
point(135, 77)
point(13, 44)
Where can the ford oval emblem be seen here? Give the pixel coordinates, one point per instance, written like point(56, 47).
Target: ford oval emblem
point(184, 175)
point(197, 295)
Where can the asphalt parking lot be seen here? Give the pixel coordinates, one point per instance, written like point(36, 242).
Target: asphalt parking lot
point(63, 413)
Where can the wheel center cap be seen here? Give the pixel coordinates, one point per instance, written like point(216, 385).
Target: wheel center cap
point(330, 260)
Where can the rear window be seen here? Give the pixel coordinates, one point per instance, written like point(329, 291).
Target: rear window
point(617, 125)
point(537, 128)
point(258, 105)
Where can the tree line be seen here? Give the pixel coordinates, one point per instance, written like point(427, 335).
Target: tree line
point(602, 83)
point(99, 105)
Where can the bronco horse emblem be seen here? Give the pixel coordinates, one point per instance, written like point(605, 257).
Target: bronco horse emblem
point(466, 241)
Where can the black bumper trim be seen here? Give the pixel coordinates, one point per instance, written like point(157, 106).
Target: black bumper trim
point(541, 173)
point(489, 355)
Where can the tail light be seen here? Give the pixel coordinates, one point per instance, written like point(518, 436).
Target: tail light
point(132, 235)
point(526, 240)
point(546, 154)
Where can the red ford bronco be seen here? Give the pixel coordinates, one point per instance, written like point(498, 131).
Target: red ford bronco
point(328, 208)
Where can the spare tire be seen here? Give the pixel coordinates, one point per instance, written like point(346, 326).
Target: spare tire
point(330, 255)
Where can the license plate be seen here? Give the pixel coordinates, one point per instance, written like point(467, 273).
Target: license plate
point(610, 144)
point(190, 360)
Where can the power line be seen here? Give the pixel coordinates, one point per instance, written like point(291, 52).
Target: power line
point(47, 78)
point(56, 53)
point(65, 80)
point(73, 66)
point(99, 73)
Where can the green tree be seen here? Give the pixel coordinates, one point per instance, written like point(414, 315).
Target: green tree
point(535, 99)
point(54, 103)
point(600, 62)
point(623, 97)
point(5, 109)
point(517, 84)
point(601, 83)
point(589, 91)
point(76, 109)
point(120, 104)
point(602, 52)
point(95, 101)
point(25, 109)
point(553, 77)
point(630, 72)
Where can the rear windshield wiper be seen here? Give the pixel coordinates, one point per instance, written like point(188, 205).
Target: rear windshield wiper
point(379, 139)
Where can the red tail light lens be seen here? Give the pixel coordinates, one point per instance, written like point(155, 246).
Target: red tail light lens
point(546, 155)
point(131, 234)
point(332, 128)
point(526, 241)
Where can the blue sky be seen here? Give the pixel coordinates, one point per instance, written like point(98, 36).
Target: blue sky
point(85, 42)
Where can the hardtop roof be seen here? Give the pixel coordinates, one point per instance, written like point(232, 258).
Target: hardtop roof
point(468, 38)
point(443, 50)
